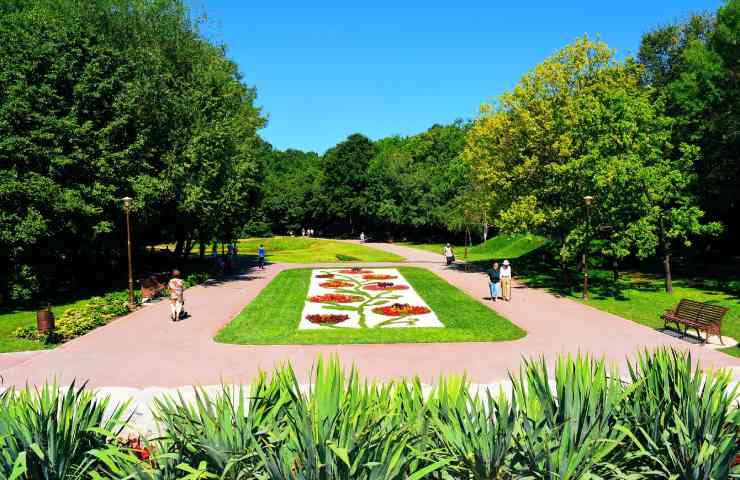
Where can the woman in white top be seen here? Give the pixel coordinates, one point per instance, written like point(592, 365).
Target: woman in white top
point(448, 254)
point(505, 273)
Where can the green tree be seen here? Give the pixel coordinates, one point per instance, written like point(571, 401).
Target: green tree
point(694, 68)
point(582, 124)
point(344, 180)
point(106, 98)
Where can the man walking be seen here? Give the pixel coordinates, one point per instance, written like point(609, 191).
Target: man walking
point(494, 281)
point(261, 257)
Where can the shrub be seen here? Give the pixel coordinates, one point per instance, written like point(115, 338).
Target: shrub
point(55, 434)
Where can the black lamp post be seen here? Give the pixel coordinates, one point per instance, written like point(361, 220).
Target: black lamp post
point(588, 200)
point(126, 209)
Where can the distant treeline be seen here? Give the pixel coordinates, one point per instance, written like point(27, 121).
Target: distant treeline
point(101, 99)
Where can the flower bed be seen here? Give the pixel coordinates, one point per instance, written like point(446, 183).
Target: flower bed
point(378, 276)
point(356, 292)
point(398, 309)
point(335, 298)
point(326, 318)
point(336, 284)
point(382, 286)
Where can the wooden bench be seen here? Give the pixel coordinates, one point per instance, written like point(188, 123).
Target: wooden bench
point(150, 287)
point(697, 315)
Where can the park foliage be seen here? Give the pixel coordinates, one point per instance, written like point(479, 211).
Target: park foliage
point(107, 98)
point(666, 419)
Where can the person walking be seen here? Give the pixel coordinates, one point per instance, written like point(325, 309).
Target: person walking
point(505, 273)
point(449, 254)
point(494, 281)
point(177, 298)
point(261, 257)
point(362, 237)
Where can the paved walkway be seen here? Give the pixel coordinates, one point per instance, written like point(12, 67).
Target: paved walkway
point(145, 349)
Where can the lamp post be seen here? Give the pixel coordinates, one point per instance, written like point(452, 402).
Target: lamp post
point(126, 209)
point(588, 200)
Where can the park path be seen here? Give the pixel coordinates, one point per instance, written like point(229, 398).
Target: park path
point(145, 349)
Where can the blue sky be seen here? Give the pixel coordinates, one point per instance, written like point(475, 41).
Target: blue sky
point(326, 69)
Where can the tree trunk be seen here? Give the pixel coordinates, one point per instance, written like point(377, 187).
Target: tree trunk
point(485, 227)
point(178, 248)
point(667, 268)
point(202, 250)
point(666, 259)
point(615, 270)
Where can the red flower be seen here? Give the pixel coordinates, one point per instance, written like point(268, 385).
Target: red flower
point(324, 318)
point(336, 284)
point(325, 275)
point(378, 276)
point(398, 309)
point(385, 286)
point(335, 298)
point(137, 448)
point(355, 271)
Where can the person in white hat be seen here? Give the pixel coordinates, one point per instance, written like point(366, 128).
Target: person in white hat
point(505, 274)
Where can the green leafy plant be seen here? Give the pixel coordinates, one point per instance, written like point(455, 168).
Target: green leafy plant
point(682, 420)
point(53, 433)
point(568, 423)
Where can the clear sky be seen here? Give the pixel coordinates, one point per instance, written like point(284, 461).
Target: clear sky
point(326, 69)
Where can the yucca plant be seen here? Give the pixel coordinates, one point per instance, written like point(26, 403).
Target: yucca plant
point(477, 433)
point(344, 428)
point(50, 434)
point(568, 429)
point(221, 430)
point(680, 418)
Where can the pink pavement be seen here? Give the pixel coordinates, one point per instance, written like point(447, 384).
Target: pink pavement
point(146, 349)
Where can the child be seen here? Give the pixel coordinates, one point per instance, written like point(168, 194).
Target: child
point(177, 300)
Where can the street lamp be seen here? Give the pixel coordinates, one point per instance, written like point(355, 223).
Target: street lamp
point(126, 209)
point(588, 200)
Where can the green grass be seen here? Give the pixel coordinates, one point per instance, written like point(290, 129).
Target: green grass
point(499, 247)
point(24, 318)
point(273, 317)
point(313, 250)
point(639, 297)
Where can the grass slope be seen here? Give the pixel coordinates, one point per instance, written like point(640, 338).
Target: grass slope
point(273, 317)
point(495, 248)
point(313, 250)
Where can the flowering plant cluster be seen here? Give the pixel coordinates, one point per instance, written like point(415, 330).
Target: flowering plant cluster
point(378, 276)
point(136, 447)
point(398, 309)
point(355, 271)
point(325, 275)
point(385, 286)
point(326, 318)
point(336, 284)
point(335, 298)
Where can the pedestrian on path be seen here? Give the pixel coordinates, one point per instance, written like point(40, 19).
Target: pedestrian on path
point(449, 254)
point(177, 292)
point(261, 257)
point(505, 273)
point(494, 281)
point(362, 237)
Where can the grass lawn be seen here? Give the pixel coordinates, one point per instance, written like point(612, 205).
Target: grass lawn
point(641, 298)
point(24, 318)
point(496, 248)
point(313, 250)
point(273, 317)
